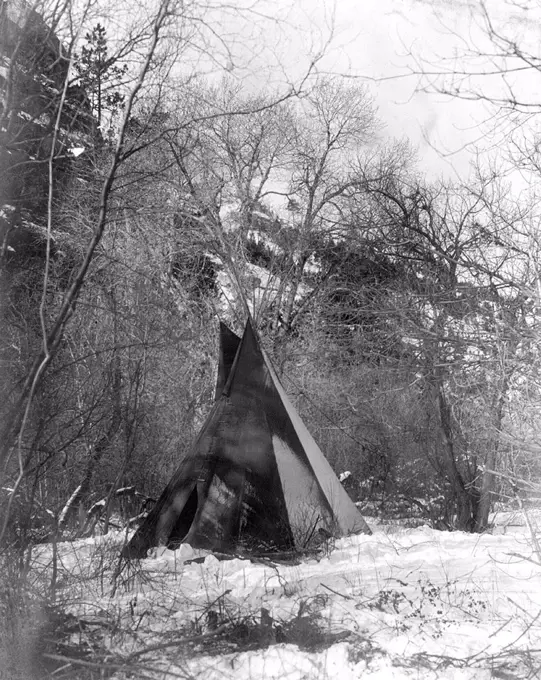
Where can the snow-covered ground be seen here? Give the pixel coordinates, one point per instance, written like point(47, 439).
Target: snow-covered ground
point(402, 603)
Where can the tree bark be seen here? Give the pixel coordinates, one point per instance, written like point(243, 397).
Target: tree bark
point(465, 502)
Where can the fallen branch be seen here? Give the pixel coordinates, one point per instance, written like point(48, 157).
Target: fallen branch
point(346, 597)
point(107, 665)
point(176, 643)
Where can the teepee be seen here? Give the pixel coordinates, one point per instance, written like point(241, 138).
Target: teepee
point(255, 479)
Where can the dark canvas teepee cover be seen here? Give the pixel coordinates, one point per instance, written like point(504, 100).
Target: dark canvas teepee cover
point(255, 479)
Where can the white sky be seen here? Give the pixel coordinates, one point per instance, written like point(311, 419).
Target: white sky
point(372, 39)
point(377, 36)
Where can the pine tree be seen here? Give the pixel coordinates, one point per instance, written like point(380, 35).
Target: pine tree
point(99, 74)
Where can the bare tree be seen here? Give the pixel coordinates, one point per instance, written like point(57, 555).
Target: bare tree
point(294, 158)
point(456, 285)
point(333, 125)
point(495, 61)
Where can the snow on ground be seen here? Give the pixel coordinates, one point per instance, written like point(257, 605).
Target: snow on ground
point(402, 603)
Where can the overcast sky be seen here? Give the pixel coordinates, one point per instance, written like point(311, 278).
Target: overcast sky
point(375, 39)
point(378, 37)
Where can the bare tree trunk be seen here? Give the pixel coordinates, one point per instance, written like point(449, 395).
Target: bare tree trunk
point(465, 501)
point(292, 288)
point(487, 490)
point(488, 480)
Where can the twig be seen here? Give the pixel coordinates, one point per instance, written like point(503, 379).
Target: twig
point(211, 604)
point(346, 597)
point(528, 627)
point(501, 627)
point(176, 643)
point(532, 530)
point(522, 557)
point(109, 665)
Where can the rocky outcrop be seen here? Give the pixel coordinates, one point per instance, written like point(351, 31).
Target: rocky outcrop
point(34, 67)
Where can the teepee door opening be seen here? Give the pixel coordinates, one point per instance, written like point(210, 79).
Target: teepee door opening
point(184, 521)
